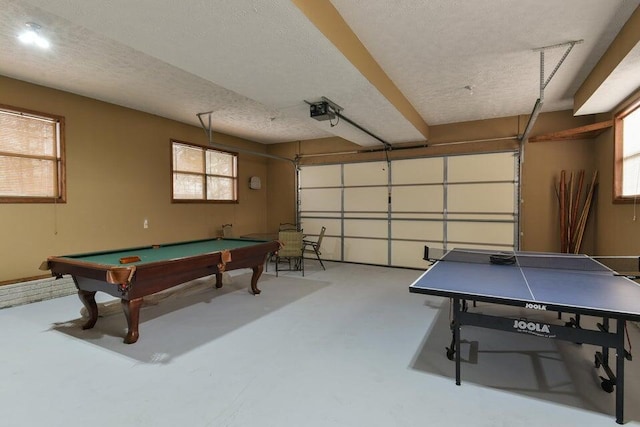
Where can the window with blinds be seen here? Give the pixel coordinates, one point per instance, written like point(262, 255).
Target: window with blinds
point(31, 157)
point(202, 174)
point(627, 154)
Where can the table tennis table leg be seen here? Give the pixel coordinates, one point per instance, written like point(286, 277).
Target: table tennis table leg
point(602, 360)
point(604, 327)
point(456, 335)
point(620, 355)
point(451, 350)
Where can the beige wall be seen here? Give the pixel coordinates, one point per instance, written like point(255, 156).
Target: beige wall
point(118, 174)
point(281, 197)
point(543, 163)
point(618, 224)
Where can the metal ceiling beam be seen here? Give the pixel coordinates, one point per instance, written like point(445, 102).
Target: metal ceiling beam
point(208, 130)
point(543, 84)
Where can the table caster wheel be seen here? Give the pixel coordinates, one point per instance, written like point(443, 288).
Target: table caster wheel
point(607, 385)
point(450, 353)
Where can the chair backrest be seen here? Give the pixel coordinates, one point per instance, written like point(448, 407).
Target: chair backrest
point(286, 226)
point(227, 230)
point(291, 243)
point(320, 236)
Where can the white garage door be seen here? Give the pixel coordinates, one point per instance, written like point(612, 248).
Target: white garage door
point(385, 213)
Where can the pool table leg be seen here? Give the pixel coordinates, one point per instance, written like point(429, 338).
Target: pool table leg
point(131, 310)
point(257, 272)
point(88, 299)
point(218, 280)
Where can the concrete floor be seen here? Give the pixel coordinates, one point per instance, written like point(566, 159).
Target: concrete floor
point(349, 346)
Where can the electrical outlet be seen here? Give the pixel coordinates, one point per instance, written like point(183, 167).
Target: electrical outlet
point(145, 224)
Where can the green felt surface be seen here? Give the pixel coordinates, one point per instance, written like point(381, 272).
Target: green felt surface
point(165, 252)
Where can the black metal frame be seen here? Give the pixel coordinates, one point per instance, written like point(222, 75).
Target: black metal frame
point(296, 263)
point(315, 245)
point(570, 332)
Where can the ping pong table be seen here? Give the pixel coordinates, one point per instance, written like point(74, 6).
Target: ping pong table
point(563, 283)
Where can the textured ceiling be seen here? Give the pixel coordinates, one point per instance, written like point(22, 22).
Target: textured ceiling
point(433, 49)
point(254, 63)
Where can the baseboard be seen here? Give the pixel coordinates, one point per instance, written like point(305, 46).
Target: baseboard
point(35, 290)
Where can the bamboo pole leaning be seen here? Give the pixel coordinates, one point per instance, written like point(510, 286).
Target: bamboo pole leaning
point(571, 202)
point(563, 213)
point(582, 223)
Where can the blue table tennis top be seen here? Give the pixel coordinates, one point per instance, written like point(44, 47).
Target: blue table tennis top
point(561, 281)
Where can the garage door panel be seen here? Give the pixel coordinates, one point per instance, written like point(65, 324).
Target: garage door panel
point(366, 199)
point(494, 197)
point(486, 216)
point(417, 216)
point(321, 199)
point(481, 232)
point(368, 251)
point(370, 173)
point(360, 215)
point(424, 230)
point(330, 249)
point(366, 228)
point(409, 254)
point(312, 226)
point(321, 176)
point(481, 167)
point(419, 198)
point(417, 171)
point(482, 246)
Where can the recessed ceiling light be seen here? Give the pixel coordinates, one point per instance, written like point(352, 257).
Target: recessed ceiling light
point(32, 36)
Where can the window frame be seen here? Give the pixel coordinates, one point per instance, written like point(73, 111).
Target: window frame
point(618, 160)
point(235, 177)
point(60, 164)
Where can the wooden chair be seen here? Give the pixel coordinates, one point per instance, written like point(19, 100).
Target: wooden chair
point(227, 230)
point(315, 246)
point(291, 251)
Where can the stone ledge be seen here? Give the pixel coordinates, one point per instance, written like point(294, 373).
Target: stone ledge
point(36, 290)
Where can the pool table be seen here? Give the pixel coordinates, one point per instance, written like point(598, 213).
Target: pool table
point(131, 274)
